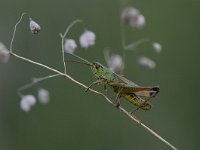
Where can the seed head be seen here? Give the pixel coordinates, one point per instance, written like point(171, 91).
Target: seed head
point(4, 53)
point(87, 39)
point(116, 64)
point(70, 46)
point(133, 17)
point(43, 96)
point(27, 102)
point(157, 47)
point(34, 26)
point(146, 62)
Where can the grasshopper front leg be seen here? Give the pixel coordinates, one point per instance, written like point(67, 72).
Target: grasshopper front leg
point(94, 83)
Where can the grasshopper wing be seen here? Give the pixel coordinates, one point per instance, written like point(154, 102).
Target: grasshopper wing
point(126, 86)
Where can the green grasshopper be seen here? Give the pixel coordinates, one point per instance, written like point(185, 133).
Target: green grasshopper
point(135, 94)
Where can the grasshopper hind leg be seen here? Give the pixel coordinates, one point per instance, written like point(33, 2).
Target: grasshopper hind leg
point(117, 98)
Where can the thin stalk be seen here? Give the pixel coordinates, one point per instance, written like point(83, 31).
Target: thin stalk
point(62, 41)
point(120, 108)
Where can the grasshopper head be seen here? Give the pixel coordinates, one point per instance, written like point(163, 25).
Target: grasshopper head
point(97, 69)
point(97, 65)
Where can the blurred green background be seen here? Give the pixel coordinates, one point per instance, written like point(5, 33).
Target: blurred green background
point(77, 120)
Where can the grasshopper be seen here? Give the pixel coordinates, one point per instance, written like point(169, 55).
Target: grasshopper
point(135, 94)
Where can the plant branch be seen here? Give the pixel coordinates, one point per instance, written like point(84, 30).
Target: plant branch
point(120, 108)
point(136, 43)
point(15, 28)
point(35, 81)
point(63, 38)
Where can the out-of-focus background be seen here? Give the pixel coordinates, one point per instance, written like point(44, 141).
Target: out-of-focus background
point(74, 119)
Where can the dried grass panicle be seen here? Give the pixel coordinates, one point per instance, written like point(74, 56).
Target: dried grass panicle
point(67, 76)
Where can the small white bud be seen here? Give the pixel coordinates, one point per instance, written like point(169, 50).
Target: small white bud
point(140, 22)
point(25, 106)
point(146, 62)
point(4, 53)
point(87, 39)
point(133, 17)
point(30, 99)
point(116, 64)
point(70, 46)
point(27, 102)
point(34, 27)
point(43, 96)
point(157, 47)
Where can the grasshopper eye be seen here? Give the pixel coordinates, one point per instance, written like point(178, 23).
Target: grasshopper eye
point(96, 65)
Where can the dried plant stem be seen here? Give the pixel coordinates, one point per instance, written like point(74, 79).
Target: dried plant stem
point(136, 43)
point(123, 39)
point(63, 38)
point(15, 28)
point(35, 81)
point(132, 117)
point(120, 108)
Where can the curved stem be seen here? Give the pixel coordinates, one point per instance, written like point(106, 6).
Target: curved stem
point(15, 28)
point(63, 38)
point(35, 81)
point(121, 109)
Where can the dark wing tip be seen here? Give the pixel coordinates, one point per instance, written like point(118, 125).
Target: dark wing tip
point(156, 88)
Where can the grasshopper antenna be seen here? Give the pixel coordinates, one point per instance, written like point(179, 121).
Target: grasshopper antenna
point(76, 61)
point(80, 58)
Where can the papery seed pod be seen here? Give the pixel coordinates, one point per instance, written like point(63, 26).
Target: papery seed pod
point(87, 39)
point(146, 62)
point(4, 53)
point(24, 105)
point(70, 46)
point(27, 102)
point(116, 64)
point(133, 17)
point(31, 99)
point(34, 27)
point(157, 47)
point(43, 96)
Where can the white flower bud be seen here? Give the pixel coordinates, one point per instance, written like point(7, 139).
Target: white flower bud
point(43, 96)
point(157, 47)
point(70, 46)
point(27, 102)
point(31, 99)
point(146, 62)
point(25, 106)
point(140, 22)
point(4, 53)
point(116, 64)
point(133, 17)
point(34, 27)
point(87, 39)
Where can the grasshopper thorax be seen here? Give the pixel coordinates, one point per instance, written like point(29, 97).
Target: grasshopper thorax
point(102, 72)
